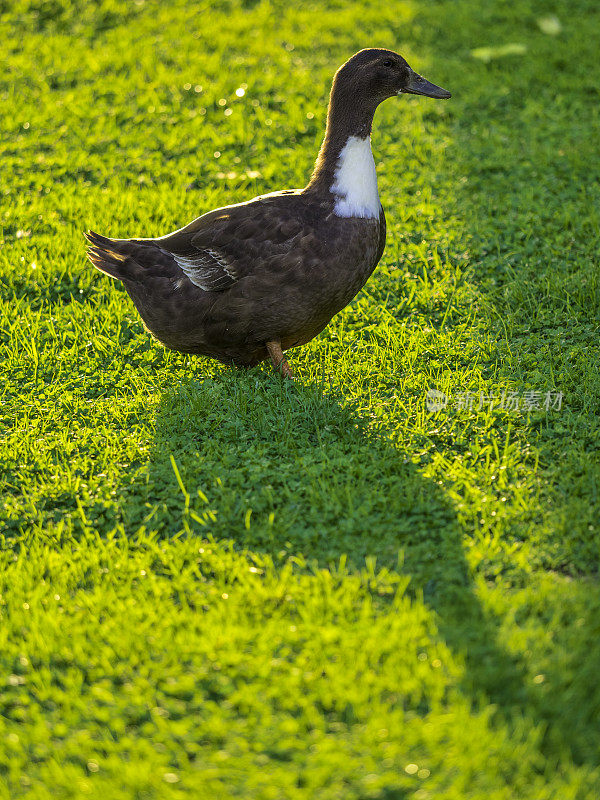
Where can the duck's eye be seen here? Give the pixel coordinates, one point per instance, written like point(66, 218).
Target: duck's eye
point(388, 63)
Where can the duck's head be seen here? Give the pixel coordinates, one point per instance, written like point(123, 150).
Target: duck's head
point(374, 75)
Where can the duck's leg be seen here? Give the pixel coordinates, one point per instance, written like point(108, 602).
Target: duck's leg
point(279, 361)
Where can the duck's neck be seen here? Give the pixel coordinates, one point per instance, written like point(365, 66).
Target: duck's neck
point(345, 167)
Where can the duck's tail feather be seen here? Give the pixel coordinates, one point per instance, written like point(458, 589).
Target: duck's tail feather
point(110, 256)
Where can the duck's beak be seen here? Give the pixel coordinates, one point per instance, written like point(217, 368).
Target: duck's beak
point(418, 85)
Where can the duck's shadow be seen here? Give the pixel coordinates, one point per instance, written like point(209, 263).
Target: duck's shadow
point(285, 469)
point(285, 463)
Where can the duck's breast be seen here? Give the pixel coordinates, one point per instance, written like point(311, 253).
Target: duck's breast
point(343, 259)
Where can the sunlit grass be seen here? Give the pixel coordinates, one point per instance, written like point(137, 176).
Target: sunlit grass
point(217, 584)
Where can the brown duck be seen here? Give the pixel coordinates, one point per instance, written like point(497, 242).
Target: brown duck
point(246, 282)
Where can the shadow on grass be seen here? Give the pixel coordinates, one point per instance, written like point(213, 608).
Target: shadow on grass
point(284, 470)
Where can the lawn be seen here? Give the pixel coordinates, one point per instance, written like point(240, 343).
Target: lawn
point(216, 584)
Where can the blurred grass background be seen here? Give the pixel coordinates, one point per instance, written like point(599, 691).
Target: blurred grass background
point(217, 585)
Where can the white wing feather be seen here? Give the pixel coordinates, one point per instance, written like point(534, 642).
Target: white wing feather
point(209, 269)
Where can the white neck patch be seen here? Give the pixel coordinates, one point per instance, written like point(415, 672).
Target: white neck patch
point(355, 181)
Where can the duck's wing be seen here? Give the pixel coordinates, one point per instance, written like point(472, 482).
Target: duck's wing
point(227, 244)
point(206, 267)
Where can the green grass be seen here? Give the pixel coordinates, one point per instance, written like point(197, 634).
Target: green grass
point(215, 584)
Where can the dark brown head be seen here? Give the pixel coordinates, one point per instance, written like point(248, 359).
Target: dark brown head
point(375, 75)
point(359, 86)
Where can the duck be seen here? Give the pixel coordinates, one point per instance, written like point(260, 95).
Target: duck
point(247, 282)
